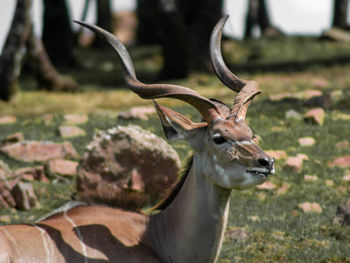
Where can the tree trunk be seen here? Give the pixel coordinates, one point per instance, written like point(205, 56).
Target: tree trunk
point(58, 37)
point(148, 22)
point(340, 9)
point(264, 20)
point(46, 75)
point(200, 17)
point(12, 54)
point(104, 20)
point(174, 41)
point(258, 16)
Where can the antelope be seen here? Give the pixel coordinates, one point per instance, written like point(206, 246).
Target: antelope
point(190, 223)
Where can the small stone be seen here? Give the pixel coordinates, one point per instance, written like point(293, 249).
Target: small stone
point(310, 178)
point(239, 234)
point(266, 186)
point(283, 189)
point(306, 141)
point(308, 94)
point(69, 151)
point(329, 183)
point(292, 114)
point(343, 213)
point(295, 163)
point(320, 83)
point(71, 131)
point(277, 154)
point(280, 96)
point(342, 162)
point(315, 116)
point(31, 174)
point(48, 119)
point(5, 219)
point(7, 120)
point(24, 196)
point(342, 144)
point(343, 116)
point(75, 119)
point(33, 151)
point(13, 138)
point(346, 178)
point(308, 207)
point(254, 218)
point(141, 113)
point(62, 167)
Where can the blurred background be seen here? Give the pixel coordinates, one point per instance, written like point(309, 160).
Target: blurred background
point(181, 30)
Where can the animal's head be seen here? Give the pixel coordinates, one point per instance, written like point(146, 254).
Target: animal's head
point(223, 143)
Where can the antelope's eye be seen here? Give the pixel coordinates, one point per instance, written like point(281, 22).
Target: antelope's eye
point(218, 139)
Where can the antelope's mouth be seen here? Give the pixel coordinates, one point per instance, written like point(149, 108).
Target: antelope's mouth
point(261, 172)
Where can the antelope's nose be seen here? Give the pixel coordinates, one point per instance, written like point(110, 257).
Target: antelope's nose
point(267, 163)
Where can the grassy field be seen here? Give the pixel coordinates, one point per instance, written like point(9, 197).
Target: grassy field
point(270, 226)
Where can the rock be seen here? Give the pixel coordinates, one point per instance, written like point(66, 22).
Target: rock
point(343, 213)
point(33, 151)
point(13, 138)
point(329, 183)
point(141, 113)
point(24, 196)
point(283, 189)
point(6, 199)
point(292, 114)
point(277, 154)
point(320, 83)
point(125, 167)
point(306, 141)
point(266, 186)
point(342, 144)
point(310, 178)
point(31, 174)
point(309, 94)
point(315, 116)
point(7, 120)
point(70, 131)
point(254, 218)
point(62, 167)
point(346, 178)
point(280, 96)
point(295, 163)
point(5, 219)
point(75, 119)
point(342, 162)
point(308, 207)
point(239, 234)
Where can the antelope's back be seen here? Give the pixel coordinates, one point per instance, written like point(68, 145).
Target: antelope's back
point(82, 234)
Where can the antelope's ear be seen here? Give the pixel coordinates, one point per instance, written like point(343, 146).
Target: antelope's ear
point(175, 125)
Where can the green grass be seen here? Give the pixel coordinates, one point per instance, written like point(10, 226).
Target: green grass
point(277, 230)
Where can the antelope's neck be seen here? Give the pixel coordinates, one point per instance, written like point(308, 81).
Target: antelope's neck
point(191, 229)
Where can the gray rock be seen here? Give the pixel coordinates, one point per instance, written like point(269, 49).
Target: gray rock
point(125, 167)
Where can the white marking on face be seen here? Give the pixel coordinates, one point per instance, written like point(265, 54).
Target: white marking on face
point(215, 158)
point(244, 143)
point(46, 241)
point(70, 220)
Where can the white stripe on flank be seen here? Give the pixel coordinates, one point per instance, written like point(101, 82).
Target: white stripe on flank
point(7, 234)
point(46, 242)
point(78, 234)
